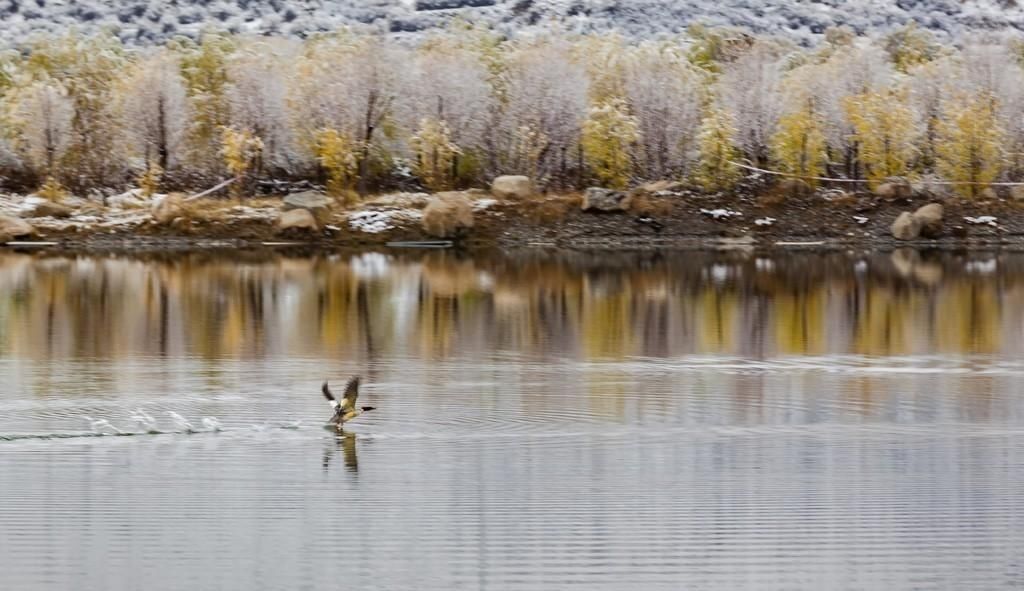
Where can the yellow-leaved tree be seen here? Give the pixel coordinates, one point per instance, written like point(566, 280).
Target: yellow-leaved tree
point(204, 69)
point(87, 68)
point(436, 154)
point(886, 132)
point(338, 154)
point(716, 143)
point(609, 134)
point(969, 147)
point(241, 150)
point(799, 146)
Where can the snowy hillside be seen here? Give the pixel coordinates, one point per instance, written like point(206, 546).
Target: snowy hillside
point(145, 21)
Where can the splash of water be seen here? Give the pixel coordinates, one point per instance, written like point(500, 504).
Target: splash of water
point(103, 427)
point(145, 421)
point(212, 424)
point(180, 423)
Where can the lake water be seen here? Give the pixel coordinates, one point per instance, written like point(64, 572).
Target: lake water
point(680, 420)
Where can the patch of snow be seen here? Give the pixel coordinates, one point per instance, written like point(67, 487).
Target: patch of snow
point(244, 212)
point(860, 267)
point(764, 264)
point(721, 214)
point(860, 219)
point(371, 222)
point(483, 204)
point(766, 221)
point(989, 220)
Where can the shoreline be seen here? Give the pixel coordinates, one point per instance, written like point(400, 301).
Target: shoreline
point(657, 221)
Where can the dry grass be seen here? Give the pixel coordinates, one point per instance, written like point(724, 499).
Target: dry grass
point(220, 210)
point(551, 209)
point(644, 204)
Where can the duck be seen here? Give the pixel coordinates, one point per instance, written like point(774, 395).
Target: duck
point(345, 410)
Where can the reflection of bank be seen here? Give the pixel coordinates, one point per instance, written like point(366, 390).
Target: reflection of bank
point(346, 442)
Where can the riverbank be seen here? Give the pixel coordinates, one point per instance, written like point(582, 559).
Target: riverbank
point(645, 219)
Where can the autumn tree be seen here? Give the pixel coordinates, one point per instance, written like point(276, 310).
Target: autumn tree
point(338, 154)
point(608, 137)
point(717, 170)
point(350, 84)
point(798, 146)
point(542, 118)
point(241, 150)
point(256, 94)
point(38, 120)
point(969, 149)
point(155, 112)
point(665, 94)
point(451, 86)
point(88, 69)
point(204, 69)
point(911, 46)
point(886, 131)
point(751, 90)
point(435, 154)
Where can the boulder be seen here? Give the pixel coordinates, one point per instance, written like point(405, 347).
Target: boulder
point(512, 187)
point(166, 210)
point(44, 208)
point(906, 227)
point(12, 227)
point(604, 200)
point(315, 202)
point(988, 194)
point(895, 188)
point(448, 215)
point(297, 220)
point(929, 217)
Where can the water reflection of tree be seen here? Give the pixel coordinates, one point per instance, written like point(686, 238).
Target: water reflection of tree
point(443, 305)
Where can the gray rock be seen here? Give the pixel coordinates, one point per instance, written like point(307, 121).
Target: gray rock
point(906, 227)
point(929, 217)
point(895, 188)
point(448, 215)
point(607, 200)
point(12, 227)
point(297, 220)
point(315, 202)
point(512, 187)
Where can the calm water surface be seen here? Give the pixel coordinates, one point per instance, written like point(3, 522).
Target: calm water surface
point(666, 421)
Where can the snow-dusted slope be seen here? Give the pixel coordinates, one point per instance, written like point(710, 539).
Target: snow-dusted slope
point(146, 21)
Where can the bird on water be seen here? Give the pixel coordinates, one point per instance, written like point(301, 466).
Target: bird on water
point(345, 410)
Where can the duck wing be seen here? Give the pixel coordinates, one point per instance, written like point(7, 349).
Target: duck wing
point(329, 395)
point(348, 403)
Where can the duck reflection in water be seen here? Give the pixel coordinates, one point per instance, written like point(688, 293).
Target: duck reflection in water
point(346, 442)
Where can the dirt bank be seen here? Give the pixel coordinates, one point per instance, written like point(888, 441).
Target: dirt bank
point(651, 221)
